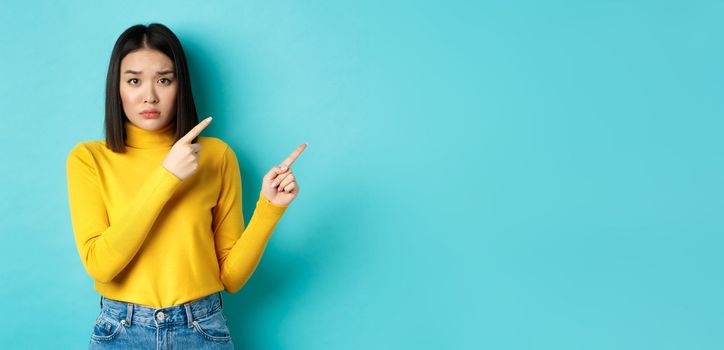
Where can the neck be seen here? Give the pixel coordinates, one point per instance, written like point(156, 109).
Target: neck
point(138, 137)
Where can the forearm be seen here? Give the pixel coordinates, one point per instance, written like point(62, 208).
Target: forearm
point(244, 257)
point(105, 253)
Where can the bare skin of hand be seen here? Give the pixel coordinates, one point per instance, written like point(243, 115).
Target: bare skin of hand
point(183, 158)
point(279, 185)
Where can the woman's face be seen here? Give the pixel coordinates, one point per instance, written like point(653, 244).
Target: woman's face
point(148, 89)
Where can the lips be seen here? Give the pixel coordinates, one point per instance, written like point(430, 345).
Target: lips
point(150, 115)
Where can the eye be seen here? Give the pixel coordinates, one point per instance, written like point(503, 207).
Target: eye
point(130, 81)
point(168, 81)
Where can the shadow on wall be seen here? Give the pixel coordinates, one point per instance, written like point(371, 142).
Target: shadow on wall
point(283, 275)
point(286, 275)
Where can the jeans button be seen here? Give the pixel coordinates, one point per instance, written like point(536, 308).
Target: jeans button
point(160, 316)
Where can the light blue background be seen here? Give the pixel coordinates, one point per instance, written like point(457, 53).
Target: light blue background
point(498, 175)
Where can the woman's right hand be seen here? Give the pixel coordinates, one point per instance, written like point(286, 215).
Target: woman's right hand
point(183, 158)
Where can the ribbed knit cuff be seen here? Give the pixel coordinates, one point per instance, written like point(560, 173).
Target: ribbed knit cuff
point(267, 211)
point(169, 177)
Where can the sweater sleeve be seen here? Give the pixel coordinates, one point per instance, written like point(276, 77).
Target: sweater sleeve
point(239, 250)
point(106, 249)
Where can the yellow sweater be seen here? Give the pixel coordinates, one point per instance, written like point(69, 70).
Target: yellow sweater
point(147, 237)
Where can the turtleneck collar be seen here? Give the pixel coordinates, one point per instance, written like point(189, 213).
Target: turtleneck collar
point(138, 137)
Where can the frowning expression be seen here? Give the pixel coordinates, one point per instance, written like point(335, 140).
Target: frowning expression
point(148, 88)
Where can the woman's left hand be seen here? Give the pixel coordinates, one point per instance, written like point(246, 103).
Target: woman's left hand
point(279, 185)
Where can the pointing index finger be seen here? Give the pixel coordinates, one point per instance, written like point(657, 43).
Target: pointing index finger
point(292, 157)
point(196, 130)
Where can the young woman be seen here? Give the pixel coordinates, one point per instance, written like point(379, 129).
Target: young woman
point(156, 208)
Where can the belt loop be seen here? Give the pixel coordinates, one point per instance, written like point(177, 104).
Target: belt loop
point(101, 301)
point(221, 300)
point(129, 314)
point(189, 316)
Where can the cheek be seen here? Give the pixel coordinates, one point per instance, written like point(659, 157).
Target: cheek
point(170, 95)
point(170, 98)
point(128, 96)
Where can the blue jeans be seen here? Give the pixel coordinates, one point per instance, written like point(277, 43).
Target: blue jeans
point(198, 324)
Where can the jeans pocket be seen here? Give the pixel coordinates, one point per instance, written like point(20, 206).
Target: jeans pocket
point(213, 327)
point(106, 328)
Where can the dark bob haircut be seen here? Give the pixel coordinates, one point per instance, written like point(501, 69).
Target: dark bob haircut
point(156, 37)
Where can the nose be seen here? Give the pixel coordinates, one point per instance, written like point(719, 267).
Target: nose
point(151, 96)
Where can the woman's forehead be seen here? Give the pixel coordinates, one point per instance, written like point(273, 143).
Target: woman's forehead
point(145, 61)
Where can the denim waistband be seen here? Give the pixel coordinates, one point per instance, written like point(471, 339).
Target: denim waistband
point(177, 314)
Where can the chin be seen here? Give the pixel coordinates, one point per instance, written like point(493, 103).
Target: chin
point(151, 124)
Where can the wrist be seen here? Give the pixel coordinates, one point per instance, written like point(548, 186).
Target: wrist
point(268, 202)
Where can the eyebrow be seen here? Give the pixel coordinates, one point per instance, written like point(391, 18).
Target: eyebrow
point(163, 72)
